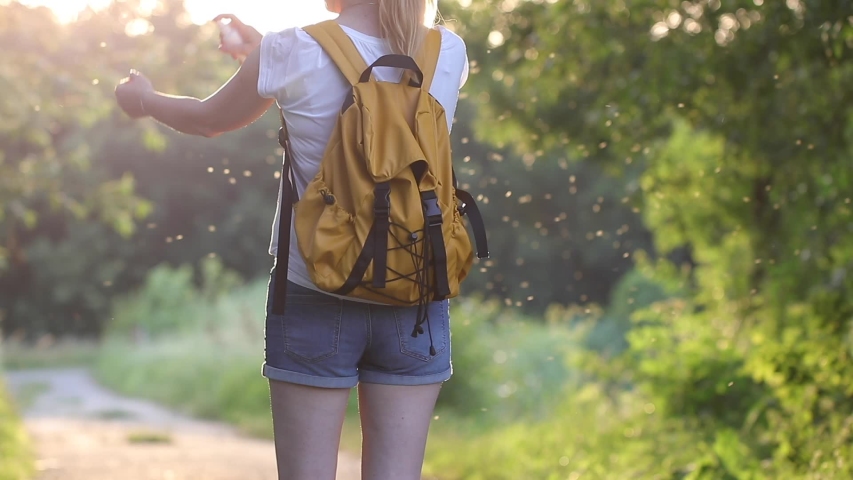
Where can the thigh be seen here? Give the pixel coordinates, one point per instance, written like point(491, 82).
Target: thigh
point(395, 422)
point(307, 423)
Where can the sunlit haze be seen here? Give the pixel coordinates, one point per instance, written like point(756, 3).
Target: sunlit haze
point(265, 15)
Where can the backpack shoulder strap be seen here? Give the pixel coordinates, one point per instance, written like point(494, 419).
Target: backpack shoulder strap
point(339, 47)
point(428, 57)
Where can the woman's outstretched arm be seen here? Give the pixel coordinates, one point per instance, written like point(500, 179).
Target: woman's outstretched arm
point(235, 105)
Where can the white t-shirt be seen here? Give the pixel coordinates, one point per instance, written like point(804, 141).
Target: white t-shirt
point(297, 73)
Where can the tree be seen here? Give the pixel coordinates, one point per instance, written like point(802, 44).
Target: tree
point(78, 180)
point(739, 112)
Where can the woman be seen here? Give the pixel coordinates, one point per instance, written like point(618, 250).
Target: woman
point(324, 345)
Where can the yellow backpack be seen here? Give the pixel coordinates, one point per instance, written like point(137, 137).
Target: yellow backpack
point(382, 220)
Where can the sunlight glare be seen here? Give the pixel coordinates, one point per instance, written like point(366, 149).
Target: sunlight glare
point(66, 10)
point(265, 15)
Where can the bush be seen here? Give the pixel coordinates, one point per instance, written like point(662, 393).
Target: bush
point(170, 301)
point(16, 460)
point(201, 350)
point(504, 363)
point(198, 375)
point(592, 434)
point(207, 363)
point(636, 290)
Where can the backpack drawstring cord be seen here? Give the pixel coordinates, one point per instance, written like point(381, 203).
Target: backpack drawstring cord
point(431, 346)
point(423, 301)
point(419, 330)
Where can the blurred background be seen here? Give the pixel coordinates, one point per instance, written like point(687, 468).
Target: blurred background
point(667, 187)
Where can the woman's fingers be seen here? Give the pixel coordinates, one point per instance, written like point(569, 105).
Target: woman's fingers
point(236, 39)
point(129, 92)
point(236, 22)
point(249, 33)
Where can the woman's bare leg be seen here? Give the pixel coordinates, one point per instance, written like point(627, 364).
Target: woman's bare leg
point(307, 423)
point(394, 423)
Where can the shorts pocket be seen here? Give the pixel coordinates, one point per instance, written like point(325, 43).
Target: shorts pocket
point(439, 325)
point(310, 329)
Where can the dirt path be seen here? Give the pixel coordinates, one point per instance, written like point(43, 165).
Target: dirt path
point(84, 432)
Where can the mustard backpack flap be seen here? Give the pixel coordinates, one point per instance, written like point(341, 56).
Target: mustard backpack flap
point(383, 219)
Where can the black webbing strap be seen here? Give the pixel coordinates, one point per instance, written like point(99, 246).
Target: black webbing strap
point(360, 267)
point(470, 208)
point(375, 245)
point(432, 220)
point(288, 197)
point(381, 225)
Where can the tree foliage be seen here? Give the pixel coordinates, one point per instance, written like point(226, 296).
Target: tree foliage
point(91, 201)
point(739, 113)
point(713, 134)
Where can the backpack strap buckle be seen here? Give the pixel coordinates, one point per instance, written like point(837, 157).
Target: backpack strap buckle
point(463, 209)
point(381, 227)
point(382, 200)
point(282, 137)
point(432, 212)
point(438, 251)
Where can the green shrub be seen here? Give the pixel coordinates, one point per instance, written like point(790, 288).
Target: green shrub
point(206, 360)
point(170, 301)
point(195, 374)
point(636, 290)
point(16, 459)
point(504, 363)
point(48, 352)
point(590, 435)
point(161, 306)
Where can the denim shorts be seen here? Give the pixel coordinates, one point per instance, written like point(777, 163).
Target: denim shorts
point(324, 341)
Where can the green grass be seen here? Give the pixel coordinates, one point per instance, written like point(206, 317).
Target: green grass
point(510, 374)
point(16, 457)
point(194, 375)
point(28, 393)
point(149, 437)
point(202, 378)
point(48, 354)
point(209, 367)
point(115, 414)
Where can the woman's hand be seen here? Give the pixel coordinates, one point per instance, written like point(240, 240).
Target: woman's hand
point(130, 93)
point(235, 105)
point(251, 38)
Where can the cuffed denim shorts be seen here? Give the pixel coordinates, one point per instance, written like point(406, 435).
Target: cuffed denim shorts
point(324, 341)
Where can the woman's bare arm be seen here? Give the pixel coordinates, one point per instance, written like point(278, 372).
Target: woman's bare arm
point(235, 105)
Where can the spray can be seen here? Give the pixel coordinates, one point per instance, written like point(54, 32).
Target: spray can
point(231, 38)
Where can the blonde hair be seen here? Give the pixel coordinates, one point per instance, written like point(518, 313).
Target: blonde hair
point(404, 23)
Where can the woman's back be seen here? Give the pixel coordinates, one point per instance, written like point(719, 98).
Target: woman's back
point(309, 88)
point(322, 346)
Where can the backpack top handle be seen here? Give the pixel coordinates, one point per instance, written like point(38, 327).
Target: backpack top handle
point(340, 48)
point(395, 61)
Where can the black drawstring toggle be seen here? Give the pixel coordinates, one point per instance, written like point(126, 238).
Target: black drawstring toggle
point(419, 330)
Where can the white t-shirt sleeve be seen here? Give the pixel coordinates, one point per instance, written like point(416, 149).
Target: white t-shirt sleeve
point(464, 79)
point(455, 54)
point(451, 72)
point(276, 49)
point(464, 56)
